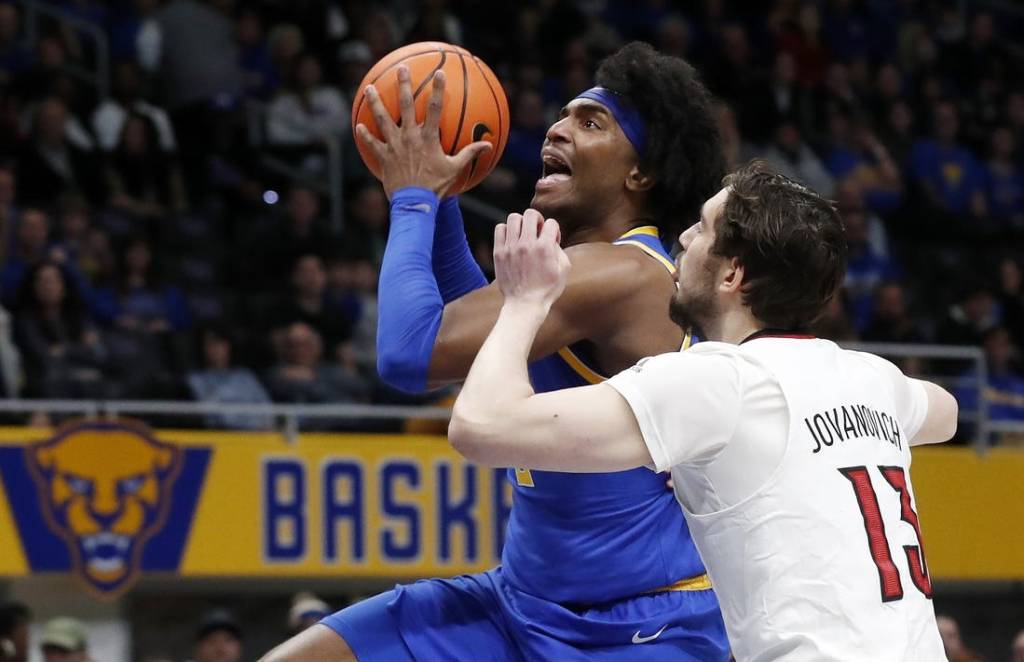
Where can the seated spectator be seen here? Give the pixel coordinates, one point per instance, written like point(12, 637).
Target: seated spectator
point(897, 131)
point(956, 651)
point(855, 154)
point(946, 173)
point(300, 232)
point(1005, 180)
point(308, 302)
point(974, 314)
point(367, 227)
point(865, 268)
point(15, 58)
point(218, 638)
point(64, 640)
point(61, 350)
point(301, 375)
point(352, 288)
point(834, 323)
point(525, 138)
point(50, 164)
point(220, 381)
point(354, 61)
point(306, 611)
point(254, 55)
point(792, 157)
point(15, 618)
point(109, 118)
point(8, 209)
point(1004, 388)
point(1017, 648)
point(10, 359)
point(310, 111)
point(144, 181)
point(31, 244)
point(139, 301)
point(890, 320)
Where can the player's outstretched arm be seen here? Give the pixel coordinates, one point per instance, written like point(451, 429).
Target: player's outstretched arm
point(940, 421)
point(497, 419)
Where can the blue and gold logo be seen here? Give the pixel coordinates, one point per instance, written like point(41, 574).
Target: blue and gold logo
point(111, 500)
point(105, 492)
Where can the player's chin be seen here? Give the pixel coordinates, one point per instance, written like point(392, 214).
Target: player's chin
point(548, 199)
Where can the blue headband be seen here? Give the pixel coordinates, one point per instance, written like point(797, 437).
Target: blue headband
point(628, 117)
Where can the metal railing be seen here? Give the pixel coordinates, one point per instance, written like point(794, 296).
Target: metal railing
point(100, 78)
point(292, 417)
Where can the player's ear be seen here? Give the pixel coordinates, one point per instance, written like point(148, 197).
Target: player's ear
point(732, 276)
point(638, 181)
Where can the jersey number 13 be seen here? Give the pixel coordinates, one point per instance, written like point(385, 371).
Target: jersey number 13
point(888, 573)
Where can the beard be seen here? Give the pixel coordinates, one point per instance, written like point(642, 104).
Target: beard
point(692, 310)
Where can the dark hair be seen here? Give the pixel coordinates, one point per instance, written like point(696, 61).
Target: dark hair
point(790, 241)
point(12, 614)
point(684, 151)
point(72, 308)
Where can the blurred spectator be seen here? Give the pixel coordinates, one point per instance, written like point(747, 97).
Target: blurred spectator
point(736, 150)
point(366, 231)
point(140, 302)
point(218, 638)
point(947, 174)
point(64, 640)
point(110, 116)
point(354, 60)
point(14, 621)
point(219, 380)
point(196, 54)
point(732, 72)
point(300, 232)
point(31, 243)
point(890, 320)
point(792, 157)
point(14, 57)
point(857, 155)
point(1005, 180)
point(956, 651)
point(352, 287)
point(286, 43)
point(803, 40)
point(8, 210)
point(834, 323)
point(10, 358)
point(51, 164)
point(254, 55)
point(1017, 648)
point(974, 314)
point(769, 102)
point(306, 611)
point(865, 268)
point(301, 375)
point(144, 181)
point(61, 348)
point(310, 111)
point(308, 302)
point(525, 139)
point(435, 23)
point(897, 132)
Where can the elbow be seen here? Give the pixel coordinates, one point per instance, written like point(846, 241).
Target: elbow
point(949, 429)
point(400, 372)
point(463, 436)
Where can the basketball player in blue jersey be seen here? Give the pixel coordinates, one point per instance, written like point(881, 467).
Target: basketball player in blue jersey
point(595, 567)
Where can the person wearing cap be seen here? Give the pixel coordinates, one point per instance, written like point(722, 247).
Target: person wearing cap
point(14, 620)
point(307, 610)
point(218, 638)
point(64, 640)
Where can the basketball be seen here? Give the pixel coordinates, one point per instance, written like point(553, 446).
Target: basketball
point(475, 106)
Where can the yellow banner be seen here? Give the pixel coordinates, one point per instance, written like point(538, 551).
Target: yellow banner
point(111, 500)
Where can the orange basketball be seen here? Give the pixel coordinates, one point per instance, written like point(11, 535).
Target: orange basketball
point(475, 107)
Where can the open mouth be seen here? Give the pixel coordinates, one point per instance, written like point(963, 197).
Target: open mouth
point(555, 170)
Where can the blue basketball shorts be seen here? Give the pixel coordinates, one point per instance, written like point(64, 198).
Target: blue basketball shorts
point(481, 618)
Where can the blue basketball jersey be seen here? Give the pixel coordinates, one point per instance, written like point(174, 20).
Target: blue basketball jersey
point(593, 538)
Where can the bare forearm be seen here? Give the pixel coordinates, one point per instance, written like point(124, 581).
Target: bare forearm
point(499, 379)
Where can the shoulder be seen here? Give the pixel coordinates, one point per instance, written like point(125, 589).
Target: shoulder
point(617, 269)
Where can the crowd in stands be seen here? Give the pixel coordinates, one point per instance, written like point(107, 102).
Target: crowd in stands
point(150, 250)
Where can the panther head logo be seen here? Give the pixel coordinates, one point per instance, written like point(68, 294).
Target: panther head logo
point(105, 489)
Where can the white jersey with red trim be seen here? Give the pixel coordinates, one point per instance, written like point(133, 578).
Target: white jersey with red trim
point(791, 459)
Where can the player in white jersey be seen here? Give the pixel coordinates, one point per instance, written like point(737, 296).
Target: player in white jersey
point(790, 456)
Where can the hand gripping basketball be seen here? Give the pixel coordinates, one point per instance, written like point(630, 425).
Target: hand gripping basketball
point(411, 153)
point(529, 263)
